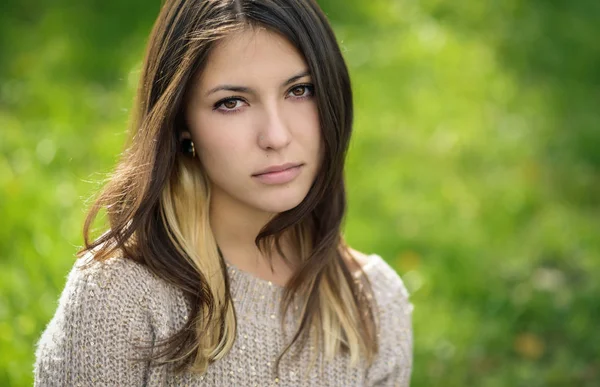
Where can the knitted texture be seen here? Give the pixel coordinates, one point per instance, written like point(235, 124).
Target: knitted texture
point(108, 308)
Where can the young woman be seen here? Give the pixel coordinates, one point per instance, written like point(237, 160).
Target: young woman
point(224, 263)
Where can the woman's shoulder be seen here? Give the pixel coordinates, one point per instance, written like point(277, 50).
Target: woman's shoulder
point(103, 312)
point(117, 273)
point(110, 294)
point(116, 281)
point(389, 291)
point(380, 273)
point(394, 307)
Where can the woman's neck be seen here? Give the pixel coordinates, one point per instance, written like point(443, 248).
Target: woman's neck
point(235, 228)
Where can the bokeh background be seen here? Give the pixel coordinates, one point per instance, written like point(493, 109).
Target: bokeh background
point(474, 170)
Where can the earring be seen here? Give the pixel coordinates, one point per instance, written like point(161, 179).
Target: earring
point(187, 147)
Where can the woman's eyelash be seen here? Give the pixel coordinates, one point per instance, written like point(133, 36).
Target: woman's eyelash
point(308, 88)
point(224, 100)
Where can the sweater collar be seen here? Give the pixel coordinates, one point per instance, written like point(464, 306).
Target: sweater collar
point(258, 299)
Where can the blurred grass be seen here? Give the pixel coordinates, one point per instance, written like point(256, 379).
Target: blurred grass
point(473, 170)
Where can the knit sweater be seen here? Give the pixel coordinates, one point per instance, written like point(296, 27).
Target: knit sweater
point(107, 308)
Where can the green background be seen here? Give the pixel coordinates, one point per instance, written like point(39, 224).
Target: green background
point(473, 169)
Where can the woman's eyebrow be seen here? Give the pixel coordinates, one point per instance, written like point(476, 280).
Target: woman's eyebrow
point(296, 77)
point(248, 90)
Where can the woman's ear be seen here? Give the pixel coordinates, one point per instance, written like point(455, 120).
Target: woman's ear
point(185, 135)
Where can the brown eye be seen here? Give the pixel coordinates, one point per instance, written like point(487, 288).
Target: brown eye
point(299, 91)
point(230, 104)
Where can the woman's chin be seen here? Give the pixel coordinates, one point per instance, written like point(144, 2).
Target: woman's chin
point(278, 205)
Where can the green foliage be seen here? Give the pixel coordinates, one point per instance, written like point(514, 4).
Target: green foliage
point(473, 170)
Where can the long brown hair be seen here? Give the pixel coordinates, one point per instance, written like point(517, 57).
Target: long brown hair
point(157, 199)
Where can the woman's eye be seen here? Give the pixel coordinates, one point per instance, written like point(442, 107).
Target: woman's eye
point(228, 105)
point(301, 91)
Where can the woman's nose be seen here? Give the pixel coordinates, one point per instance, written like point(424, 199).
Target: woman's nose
point(275, 133)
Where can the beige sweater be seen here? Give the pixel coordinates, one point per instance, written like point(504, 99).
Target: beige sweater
point(104, 310)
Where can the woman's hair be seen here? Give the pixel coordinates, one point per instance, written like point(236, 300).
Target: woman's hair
point(157, 199)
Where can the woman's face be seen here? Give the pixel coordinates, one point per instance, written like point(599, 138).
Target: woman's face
point(252, 110)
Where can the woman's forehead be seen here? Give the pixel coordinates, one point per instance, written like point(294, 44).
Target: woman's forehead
point(251, 56)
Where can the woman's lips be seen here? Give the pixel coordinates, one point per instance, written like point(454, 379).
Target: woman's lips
point(279, 177)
